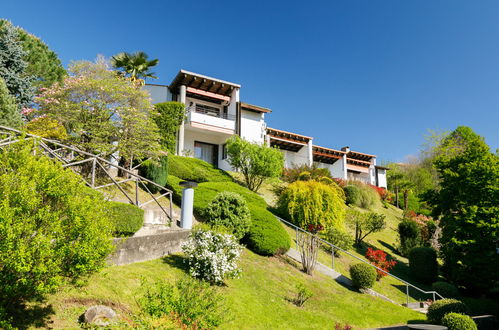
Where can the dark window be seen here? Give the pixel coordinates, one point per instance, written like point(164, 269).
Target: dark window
point(224, 151)
point(207, 152)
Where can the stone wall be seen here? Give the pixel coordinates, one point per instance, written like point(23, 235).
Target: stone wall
point(143, 248)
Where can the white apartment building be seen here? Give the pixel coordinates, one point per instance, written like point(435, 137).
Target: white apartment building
point(215, 113)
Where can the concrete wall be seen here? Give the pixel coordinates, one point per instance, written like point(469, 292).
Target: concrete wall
point(382, 178)
point(336, 169)
point(292, 159)
point(143, 248)
point(253, 126)
point(159, 94)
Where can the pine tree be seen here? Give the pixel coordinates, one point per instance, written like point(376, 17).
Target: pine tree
point(9, 113)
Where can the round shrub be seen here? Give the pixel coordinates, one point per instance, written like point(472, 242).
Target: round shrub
point(439, 308)
point(409, 235)
point(229, 210)
point(456, 321)
point(266, 235)
point(445, 289)
point(423, 264)
point(361, 195)
point(352, 194)
point(363, 276)
point(127, 218)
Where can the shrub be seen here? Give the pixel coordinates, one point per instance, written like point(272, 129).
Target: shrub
point(302, 295)
point(338, 238)
point(352, 194)
point(439, 308)
point(361, 195)
point(378, 258)
point(266, 235)
point(314, 173)
point(456, 321)
point(169, 118)
point(409, 235)
point(127, 218)
point(229, 210)
point(363, 276)
point(46, 127)
point(192, 303)
point(364, 223)
point(212, 256)
point(423, 264)
point(51, 225)
point(156, 171)
point(447, 290)
point(197, 170)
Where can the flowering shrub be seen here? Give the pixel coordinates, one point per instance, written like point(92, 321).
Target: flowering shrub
point(382, 192)
point(211, 256)
point(378, 258)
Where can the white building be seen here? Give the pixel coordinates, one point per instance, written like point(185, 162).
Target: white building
point(215, 112)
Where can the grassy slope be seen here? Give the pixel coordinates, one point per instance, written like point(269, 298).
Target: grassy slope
point(257, 299)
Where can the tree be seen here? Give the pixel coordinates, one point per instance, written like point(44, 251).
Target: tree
point(364, 224)
point(136, 66)
point(43, 64)
point(468, 204)
point(9, 113)
point(13, 66)
point(169, 118)
point(103, 113)
point(256, 162)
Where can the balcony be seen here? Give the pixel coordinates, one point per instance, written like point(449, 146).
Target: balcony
point(209, 119)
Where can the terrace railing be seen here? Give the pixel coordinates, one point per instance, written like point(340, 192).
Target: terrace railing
point(97, 172)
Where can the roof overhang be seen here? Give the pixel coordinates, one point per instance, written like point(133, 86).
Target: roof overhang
point(360, 156)
point(254, 108)
point(203, 83)
point(287, 140)
point(326, 155)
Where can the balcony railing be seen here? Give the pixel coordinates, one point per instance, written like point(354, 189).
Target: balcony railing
point(213, 112)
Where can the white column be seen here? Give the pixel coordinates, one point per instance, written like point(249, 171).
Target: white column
point(310, 153)
point(372, 172)
point(180, 145)
point(344, 162)
point(186, 208)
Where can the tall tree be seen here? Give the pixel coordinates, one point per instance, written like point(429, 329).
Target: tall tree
point(136, 66)
point(9, 113)
point(468, 204)
point(13, 67)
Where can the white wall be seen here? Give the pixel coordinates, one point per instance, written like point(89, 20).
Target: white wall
point(253, 126)
point(292, 158)
point(336, 169)
point(159, 94)
point(218, 139)
point(382, 178)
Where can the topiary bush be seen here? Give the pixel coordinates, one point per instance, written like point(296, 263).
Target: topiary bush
point(456, 321)
point(409, 236)
point(192, 169)
point(439, 308)
point(156, 171)
point(447, 290)
point(423, 264)
point(127, 218)
point(363, 276)
point(231, 211)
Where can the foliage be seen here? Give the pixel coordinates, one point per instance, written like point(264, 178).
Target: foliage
point(212, 256)
point(169, 118)
point(314, 173)
point(46, 127)
point(456, 321)
point(308, 246)
point(409, 236)
point(363, 276)
point(382, 192)
point(378, 259)
point(98, 108)
point(447, 290)
point(440, 308)
point(156, 171)
point(361, 195)
point(423, 264)
point(136, 66)
point(467, 204)
point(256, 162)
point(9, 112)
point(231, 211)
point(52, 226)
point(127, 218)
point(192, 303)
point(313, 203)
point(13, 66)
point(302, 295)
point(197, 170)
point(339, 326)
point(339, 238)
point(364, 224)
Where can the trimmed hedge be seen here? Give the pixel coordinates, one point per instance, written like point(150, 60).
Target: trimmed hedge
point(157, 172)
point(456, 321)
point(409, 236)
point(363, 276)
point(127, 218)
point(445, 289)
point(439, 308)
point(423, 264)
point(192, 169)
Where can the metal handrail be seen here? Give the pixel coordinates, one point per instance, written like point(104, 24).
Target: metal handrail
point(434, 293)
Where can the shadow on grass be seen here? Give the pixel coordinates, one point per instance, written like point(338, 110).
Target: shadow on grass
point(176, 261)
point(36, 315)
point(388, 246)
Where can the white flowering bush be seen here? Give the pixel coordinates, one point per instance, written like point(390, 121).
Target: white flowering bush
point(212, 256)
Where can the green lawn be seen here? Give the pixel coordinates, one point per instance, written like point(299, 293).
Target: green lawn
point(257, 299)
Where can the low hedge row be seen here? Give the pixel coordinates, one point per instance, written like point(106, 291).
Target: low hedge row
point(127, 218)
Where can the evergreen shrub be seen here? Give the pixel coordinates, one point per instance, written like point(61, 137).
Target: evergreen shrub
point(456, 321)
point(156, 171)
point(127, 218)
point(409, 236)
point(439, 308)
point(363, 276)
point(197, 170)
point(447, 290)
point(361, 195)
point(423, 264)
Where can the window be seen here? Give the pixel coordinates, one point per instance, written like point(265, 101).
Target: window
point(207, 152)
point(224, 151)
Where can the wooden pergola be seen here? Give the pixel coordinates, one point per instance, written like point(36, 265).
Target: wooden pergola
point(326, 155)
point(287, 140)
point(197, 82)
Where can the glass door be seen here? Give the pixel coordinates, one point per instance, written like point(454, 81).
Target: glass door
point(207, 152)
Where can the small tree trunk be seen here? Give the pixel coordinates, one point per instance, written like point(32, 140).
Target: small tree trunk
point(406, 199)
point(308, 246)
point(397, 196)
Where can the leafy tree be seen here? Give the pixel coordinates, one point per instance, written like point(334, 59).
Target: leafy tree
point(169, 118)
point(13, 66)
point(98, 108)
point(9, 113)
point(136, 66)
point(256, 162)
point(43, 64)
point(468, 204)
point(364, 224)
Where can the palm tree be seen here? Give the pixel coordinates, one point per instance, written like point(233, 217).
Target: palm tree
point(135, 66)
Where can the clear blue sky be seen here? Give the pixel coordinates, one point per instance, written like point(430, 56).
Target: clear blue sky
point(374, 75)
